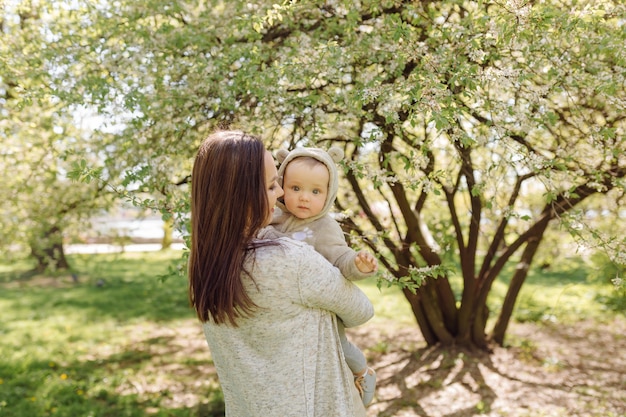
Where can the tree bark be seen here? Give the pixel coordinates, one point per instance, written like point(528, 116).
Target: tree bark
point(168, 234)
point(521, 272)
point(420, 317)
point(49, 252)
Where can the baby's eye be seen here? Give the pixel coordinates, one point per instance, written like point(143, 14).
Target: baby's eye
point(295, 188)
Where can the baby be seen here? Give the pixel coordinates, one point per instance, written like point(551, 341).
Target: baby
point(310, 183)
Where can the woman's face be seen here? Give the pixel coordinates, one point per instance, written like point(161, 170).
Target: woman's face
point(273, 189)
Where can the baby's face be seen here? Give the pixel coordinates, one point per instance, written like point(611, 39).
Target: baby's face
point(306, 188)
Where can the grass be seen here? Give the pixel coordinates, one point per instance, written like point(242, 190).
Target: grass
point(97, 347)
point(119, 341)
point(563, 293)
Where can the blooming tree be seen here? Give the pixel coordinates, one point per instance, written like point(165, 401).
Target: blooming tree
point(470, 128)
point(41, 139)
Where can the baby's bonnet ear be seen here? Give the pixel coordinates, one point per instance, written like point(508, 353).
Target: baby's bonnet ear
point(281, 154)
point(335, 153)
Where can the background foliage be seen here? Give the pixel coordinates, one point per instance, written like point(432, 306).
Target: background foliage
point(477, 133)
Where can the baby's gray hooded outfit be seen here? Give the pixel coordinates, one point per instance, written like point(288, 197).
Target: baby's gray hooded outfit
point(321, 231)
point(324, 234)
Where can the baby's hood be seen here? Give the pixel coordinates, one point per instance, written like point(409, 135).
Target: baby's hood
point(328, 158)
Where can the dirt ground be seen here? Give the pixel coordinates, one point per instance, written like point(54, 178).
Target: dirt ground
point(549, 370)
point(546, 370)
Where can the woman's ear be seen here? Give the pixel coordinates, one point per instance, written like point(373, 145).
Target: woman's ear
point(281, 154)
point(335, 153)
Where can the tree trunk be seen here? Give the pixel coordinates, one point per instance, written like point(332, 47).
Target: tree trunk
point(420, 317)
point(429, 313)
point(435, 313)
point(49, 252)
point(479, 323)
point(168, 233)
point(469, 325)
point(521, 272)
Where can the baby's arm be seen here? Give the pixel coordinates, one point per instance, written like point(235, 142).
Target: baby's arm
point(331, 243)
point(366, 262)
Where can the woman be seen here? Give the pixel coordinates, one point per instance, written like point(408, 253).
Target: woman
point(269, 307)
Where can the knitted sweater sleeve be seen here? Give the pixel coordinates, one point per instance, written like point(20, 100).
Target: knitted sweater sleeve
point(323, 287)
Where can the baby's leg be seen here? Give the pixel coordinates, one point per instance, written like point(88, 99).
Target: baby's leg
point(354, 357)
point(364, 377)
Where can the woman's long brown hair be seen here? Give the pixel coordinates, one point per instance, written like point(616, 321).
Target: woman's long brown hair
point(228, 207)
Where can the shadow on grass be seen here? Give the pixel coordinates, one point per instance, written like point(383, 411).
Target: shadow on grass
point(119, 300)
point(136, 382)
point(616, 301)
point(568, 271)
point(121, 287)
point(41, 392)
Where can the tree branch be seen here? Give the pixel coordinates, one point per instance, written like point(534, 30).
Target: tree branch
point(499, 235)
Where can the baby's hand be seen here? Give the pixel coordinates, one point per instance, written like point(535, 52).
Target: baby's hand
point(365, 262)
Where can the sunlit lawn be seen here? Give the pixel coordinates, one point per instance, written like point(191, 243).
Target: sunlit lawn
point(123, 342)
point(562, 294)
point(101, 346)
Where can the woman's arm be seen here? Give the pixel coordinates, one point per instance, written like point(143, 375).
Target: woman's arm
point(321, 285)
